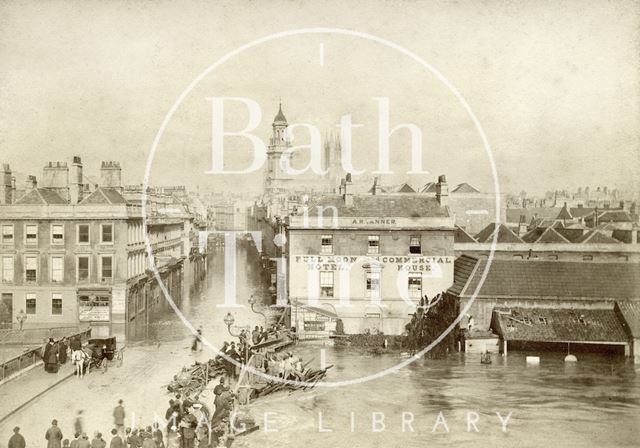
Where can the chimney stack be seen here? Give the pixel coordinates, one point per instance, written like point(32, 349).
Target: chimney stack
point(76, 188)
point(55, 176)
point(31, 184)
point(347, 193)
point(376, 186)
point(522, 226)
point(6, 186)
point(442, 191)
point(111, 175)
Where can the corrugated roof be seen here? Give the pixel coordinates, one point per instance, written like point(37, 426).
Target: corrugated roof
point(557, 279)
point(558, 325)
point(399, 205)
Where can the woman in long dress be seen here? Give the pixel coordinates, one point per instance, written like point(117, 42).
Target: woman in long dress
point(62, 351)
point(50, 357)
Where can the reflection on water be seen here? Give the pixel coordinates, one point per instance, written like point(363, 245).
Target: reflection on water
point(595, 402)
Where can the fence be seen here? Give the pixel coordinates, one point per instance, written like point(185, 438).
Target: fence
point(33, 356)
point(37, 335)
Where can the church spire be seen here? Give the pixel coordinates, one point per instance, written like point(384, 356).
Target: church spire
point(280, 118)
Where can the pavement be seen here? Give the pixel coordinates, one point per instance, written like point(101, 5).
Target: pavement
point(23, 389)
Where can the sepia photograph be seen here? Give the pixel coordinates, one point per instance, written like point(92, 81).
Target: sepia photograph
point(348, 223)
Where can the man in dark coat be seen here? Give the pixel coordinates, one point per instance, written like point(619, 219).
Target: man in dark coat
point(16, 440)
point(50, 357)
point(62, 351)
point(116, 440)
point(54, 436)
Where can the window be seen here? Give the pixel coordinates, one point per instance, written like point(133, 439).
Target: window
point(31, 234)
point(373, 284)
point(414, 245)
point(31, 269)
point(83, 269)
point(56, 304)
point(7, 234)
point(30, 303)
point(57, 234)
point(106, 268)
point(83, 233)
point(7, 269)
point(106, 233)
point(415, 285)
point(327, 244)
point(57, 269)
point(374, 244)
point(326, 284)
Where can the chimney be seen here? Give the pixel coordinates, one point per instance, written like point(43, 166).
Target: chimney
point(6, 186)
point(621, 205)
point(634, 236)
point(111, 175)
point(76, 188)
point(55, 176)
point(442, 191)
point(347, 193)
point(522, 226)
point(376, 186)
point(14, 193)
point(31, 184)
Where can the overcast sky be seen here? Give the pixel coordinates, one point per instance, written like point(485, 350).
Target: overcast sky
point(555, 85)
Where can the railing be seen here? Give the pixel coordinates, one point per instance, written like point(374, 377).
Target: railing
point(37, 335)
point(18, 363)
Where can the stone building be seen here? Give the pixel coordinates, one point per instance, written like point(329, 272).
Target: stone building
point(74, 253)
point(369, 259)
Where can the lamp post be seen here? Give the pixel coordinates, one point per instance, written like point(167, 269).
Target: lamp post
point(252, 302)
point(229, 321)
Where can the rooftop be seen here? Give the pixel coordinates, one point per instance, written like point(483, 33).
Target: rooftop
point(388, 205)
point(558, 325)
point(546, 279)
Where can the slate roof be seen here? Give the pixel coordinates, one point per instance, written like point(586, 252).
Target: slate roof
point(558, 325)
point(389, 205)
point(464, 188)
point(551, 235)
point(461, 236)
point(614, 216)
point(429, 187)
point(564, 213)
point(630, 313)
point(580, 212)
point(529, 213)
point(404, 188)
point(464, 266)
point(596, 236)
point(41, 196)
point(505, 235)
point(104, 195)
point(511, 278)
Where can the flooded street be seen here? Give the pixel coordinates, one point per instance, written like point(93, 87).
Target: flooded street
point(442, 402)
point(555, 401)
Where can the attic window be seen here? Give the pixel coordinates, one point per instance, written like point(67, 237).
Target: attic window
point(542, 320)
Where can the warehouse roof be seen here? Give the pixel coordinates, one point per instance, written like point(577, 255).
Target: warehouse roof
point(558, 325)
point(551, 279)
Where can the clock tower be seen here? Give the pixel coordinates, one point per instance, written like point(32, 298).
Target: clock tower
point(276, 179)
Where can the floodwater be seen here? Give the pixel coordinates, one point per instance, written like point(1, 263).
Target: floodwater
point(455, 401)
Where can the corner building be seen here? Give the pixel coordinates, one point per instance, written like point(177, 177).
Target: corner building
point(368, 259)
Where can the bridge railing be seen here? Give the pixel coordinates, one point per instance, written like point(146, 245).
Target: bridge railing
point(18, 363)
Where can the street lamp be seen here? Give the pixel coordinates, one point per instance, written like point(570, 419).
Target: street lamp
point(252, 302)
point(229, 320)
